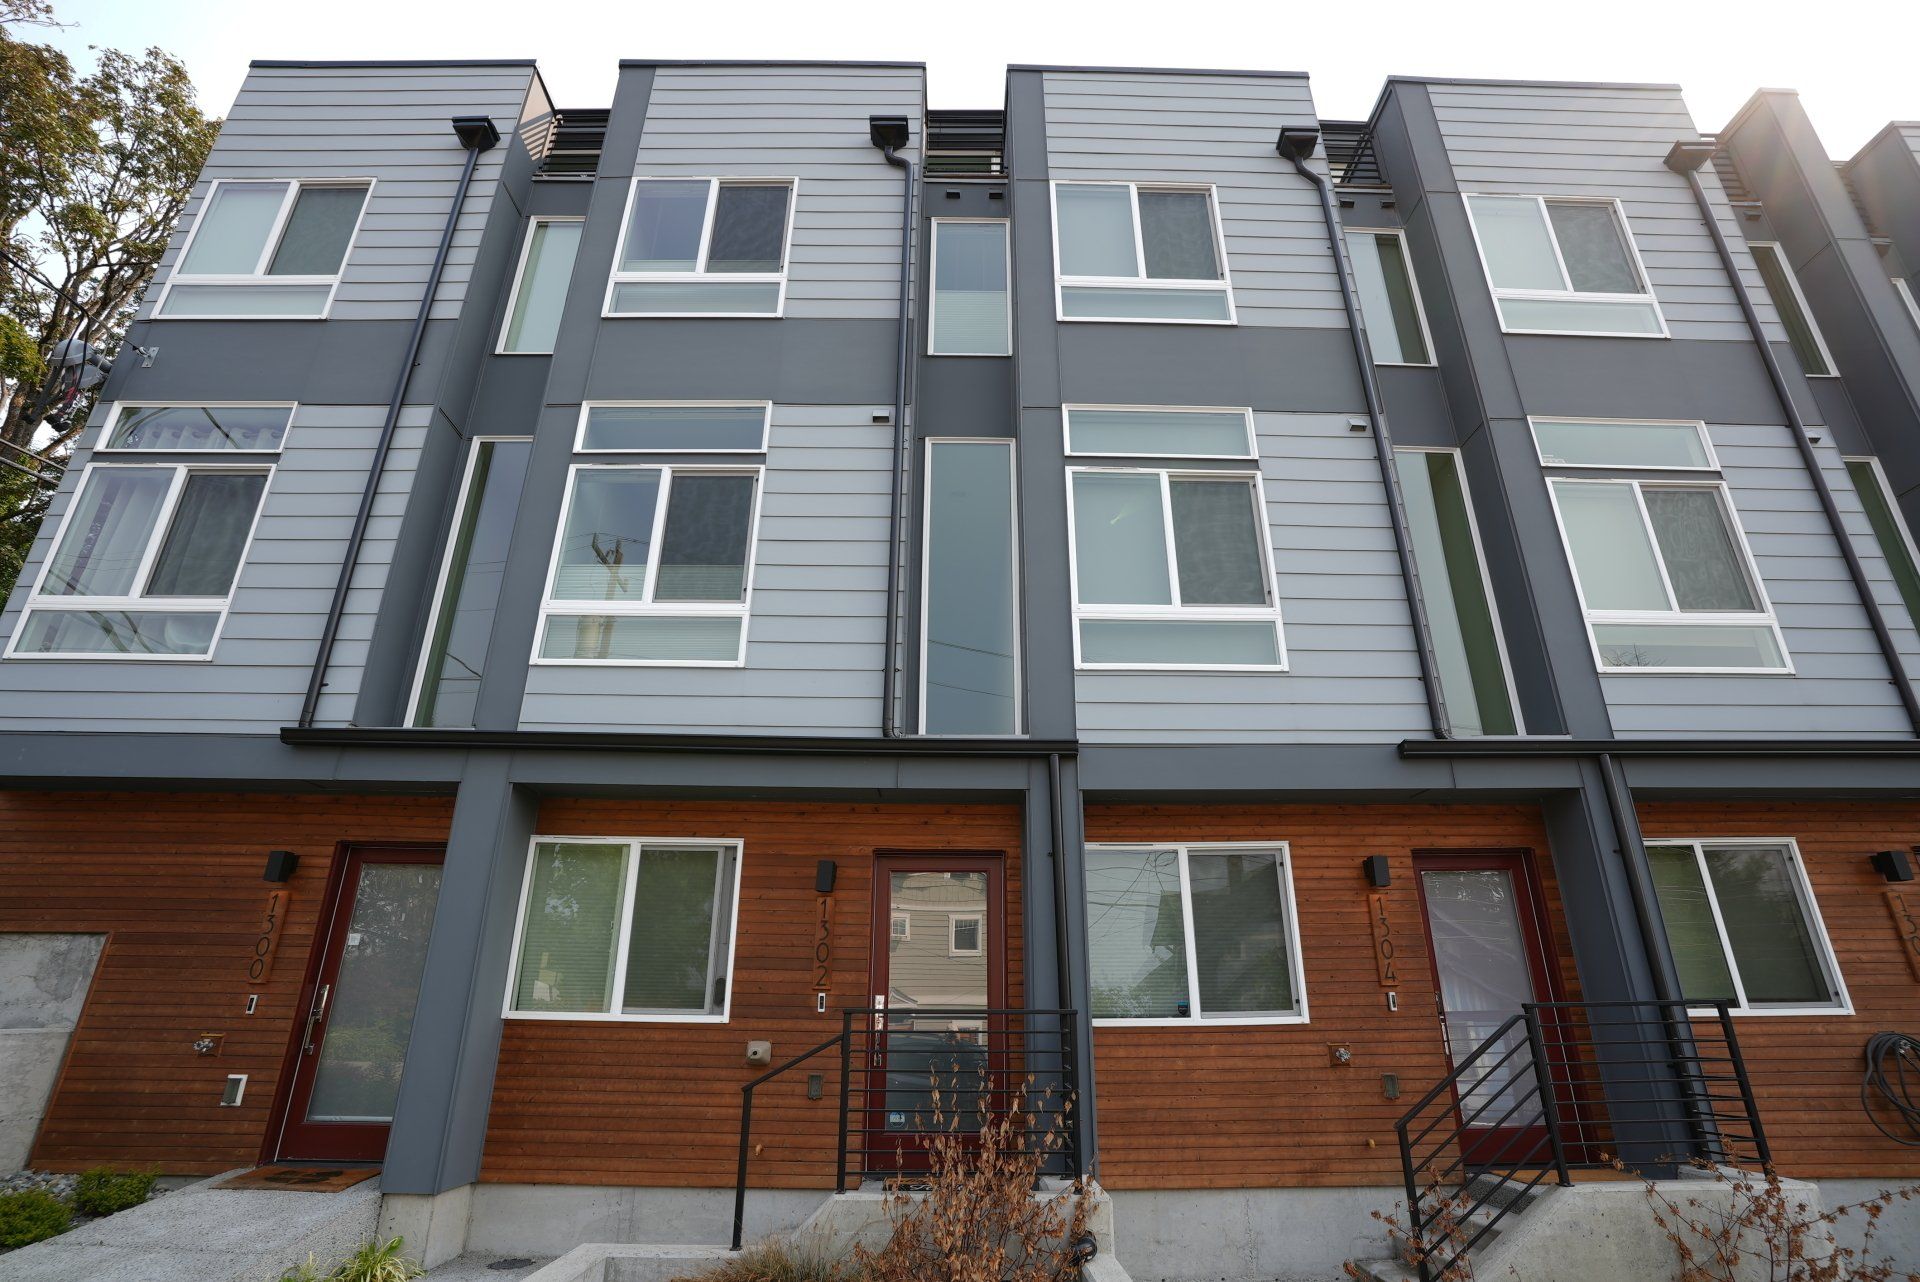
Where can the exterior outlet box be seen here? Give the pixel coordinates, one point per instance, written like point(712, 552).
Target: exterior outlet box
point(1340, 1056)
point(760, 1054)
point(208, 1043)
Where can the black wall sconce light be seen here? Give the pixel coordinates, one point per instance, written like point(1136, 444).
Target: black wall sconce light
point(280, 865)
point(1379, 874)
point(823, 874)
point(1894, 865)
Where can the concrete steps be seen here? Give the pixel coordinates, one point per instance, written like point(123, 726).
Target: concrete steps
point(1506, 1204)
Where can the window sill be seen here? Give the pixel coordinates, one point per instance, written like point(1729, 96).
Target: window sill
point(1248, 1021)
point(1799, 1012)
point(590, 1017)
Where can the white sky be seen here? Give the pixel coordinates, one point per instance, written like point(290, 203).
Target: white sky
point(1855, 62)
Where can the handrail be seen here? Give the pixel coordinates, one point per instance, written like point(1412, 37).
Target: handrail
point(746, 1120)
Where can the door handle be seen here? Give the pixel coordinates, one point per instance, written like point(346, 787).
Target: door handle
point(879, 1028)
point(314, 1017)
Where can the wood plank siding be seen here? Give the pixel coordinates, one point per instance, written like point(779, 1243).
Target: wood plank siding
point(1806, 1069)
point(173, 881)
point(658, 1104)
point(1263, 1106)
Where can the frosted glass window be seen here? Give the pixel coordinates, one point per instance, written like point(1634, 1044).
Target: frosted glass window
point(970, 649)
point(1695, 545)
point(970, 297)
point(1216, 538)
point(1596, 254)
point(749, 227)
point(207, 534)
point(1199, 932)
point(1563, 266)
point(533, 321)
point(1384, 280)
point(702, 246)
point(703, 545)
point(1743, 928)
point(318, 231)
point(1176, 232)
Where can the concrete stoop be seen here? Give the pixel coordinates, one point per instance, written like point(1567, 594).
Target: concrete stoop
point(834, 1229)
point(206, 1234)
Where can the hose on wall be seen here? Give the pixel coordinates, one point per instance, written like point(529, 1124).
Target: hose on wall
point(1893, 1075)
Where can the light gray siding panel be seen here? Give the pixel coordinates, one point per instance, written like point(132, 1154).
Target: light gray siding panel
point(1570, 140)
point(260, 666)
point(387, 124)
point(1210, 129)
point(1839, 688)
point(807, 123)
point(1353, 673)
point(816, 631)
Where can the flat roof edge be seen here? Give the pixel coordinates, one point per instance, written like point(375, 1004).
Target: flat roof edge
point(1891, 127)
point(1534, 84)
point(768, 62)
point(392, 62)
point(1159, 71)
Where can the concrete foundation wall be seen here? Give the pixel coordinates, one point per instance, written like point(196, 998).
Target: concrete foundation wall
point(548, 1219)
point(43, 985)
point(1287, 1235)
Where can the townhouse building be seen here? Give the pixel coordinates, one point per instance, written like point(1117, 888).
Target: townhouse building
point(1331, 651)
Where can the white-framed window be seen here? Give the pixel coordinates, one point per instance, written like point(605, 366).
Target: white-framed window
point(674, 427)
point(970, 589)
point(971, 312)
point(653, 566)
point(626, 928)
point(966, 934)
point(1743, 926)
point(1784, 289)
point(1661, 565)
point(196, 427)
point(901, 927)
point(1905, 291)
point(1564, 265)
point(1159, 431)
point(1389, 297)
point(1183, 934)
point(145, 562)
point(265, 249)
point(1140, 252)
point(704, 247)
point(540, 283)
point(1890, 531)
point(1172, 569)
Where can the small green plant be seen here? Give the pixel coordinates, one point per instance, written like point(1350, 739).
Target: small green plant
point(778, 1260)
point(29, 1216)
point(378, 1262)
point(103, 1191)
point(308, 1272)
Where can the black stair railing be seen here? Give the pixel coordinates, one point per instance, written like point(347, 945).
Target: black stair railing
point(904, 1076)
point(1564, 1086)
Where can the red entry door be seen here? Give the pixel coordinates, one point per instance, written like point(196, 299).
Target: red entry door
point(351, 1042)
point(1485, 932)
point(939, 954)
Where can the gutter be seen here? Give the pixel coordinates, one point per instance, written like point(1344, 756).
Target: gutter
point(476, 134)
point(1459, 749)
point(889, 134)
point(615, 741)
point(1296, 144)
point(1686, 159)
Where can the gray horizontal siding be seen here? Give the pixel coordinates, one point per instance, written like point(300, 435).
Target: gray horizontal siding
point(387, 124)
point(816, 634)
point(1210, 129)
point(808, 123)
point(1839, 687)
point(260, 666)
point(1353, 673)
point(1570, 140)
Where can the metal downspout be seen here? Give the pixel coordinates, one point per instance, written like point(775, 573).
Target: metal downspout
point(1296, 144)
point(889, 134)
point(1685, 159)
point(476, 134)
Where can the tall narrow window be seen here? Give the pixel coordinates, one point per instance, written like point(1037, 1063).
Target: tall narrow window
point(456, 649)
point(1563, 265)
point(1396, 326)
point(1889, 530)
point(540, 289)
point(1453, 585)
point(651, 567)
point(972, 308)
point(1172, 569)
point(144, 565)
point(1193, 933)
point(627, 929)
point(266, 249)
point(703, 247)
point(1905, 291)
point(1784, 290)
point(1139, 252)
point(970, 669)
point(1742, 924)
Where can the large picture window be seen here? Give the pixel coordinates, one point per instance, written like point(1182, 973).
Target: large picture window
point(703, 247)
point(628, 928)
point(1180, 934)
point(1564, 265)
point(1743, 927)
point(1139, 252)
point(652, 566)
point(1172, 569)
point(1661, 564)
point(266, 249)
point(145, 563)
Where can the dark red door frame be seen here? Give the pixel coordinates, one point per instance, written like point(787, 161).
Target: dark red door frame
point(1488, 1142)
point(295, 1084)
